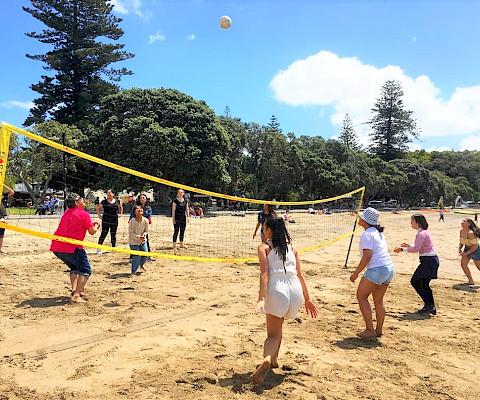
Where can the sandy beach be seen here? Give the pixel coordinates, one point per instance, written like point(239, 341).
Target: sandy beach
point(185, 330)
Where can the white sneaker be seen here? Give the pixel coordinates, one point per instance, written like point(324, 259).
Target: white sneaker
point(99, 251)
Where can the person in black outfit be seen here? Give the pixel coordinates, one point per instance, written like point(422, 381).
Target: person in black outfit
point(112, 208)
point(180, 213)
point(267, 210)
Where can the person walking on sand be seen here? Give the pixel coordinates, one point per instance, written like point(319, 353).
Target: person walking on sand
point(282, 290)
point(267, 210)
point(442, 215)
point(429, 263)
point(180, 215)
point(137, 234)
point(378, 275)
point(74, 224)
point(4, 214)
point(468, 247)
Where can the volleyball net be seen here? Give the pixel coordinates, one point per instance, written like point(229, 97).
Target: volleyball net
point(220, 228)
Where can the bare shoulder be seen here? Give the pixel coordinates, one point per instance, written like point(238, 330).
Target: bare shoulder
point(263, 247)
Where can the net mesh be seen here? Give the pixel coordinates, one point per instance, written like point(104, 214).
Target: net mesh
point(221, 227)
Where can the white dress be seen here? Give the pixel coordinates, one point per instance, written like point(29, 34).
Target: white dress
point(284, 293)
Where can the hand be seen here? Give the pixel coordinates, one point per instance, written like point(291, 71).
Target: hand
point(259, 307)
point(96, 223)
point(354, 277)
point(460, 252)
point(311, 309)
point(397, 250)
point(404, 245)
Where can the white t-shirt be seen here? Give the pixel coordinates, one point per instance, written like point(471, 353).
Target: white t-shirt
point(372, 239)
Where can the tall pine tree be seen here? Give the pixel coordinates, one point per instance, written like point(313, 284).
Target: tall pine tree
point(393, 127)
point(274, 125)
point(79, 61)
point(348, 137)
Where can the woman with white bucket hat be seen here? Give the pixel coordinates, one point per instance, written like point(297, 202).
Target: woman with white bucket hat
point(378, 275)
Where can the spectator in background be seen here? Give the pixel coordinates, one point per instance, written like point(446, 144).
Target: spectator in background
point(3, 214)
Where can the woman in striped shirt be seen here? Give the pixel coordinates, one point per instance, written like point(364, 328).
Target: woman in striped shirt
point(429, 263)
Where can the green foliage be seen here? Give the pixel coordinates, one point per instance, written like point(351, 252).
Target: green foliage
point(79, 61)
point(348, 137)
point(165, 133)
point(392, 125)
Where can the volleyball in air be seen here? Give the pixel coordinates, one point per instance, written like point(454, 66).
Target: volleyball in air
point(225, 22)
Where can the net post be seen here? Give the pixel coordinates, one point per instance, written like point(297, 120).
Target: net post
point(4, 148)
point(354, 226)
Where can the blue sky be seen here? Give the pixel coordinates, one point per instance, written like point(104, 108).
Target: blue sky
point(307, 62)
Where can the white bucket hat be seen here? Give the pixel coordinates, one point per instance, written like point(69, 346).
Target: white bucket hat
point(370, 216)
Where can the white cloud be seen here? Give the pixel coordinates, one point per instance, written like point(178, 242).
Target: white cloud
point(190, 37)
point(156, 38)
point(127, 7)
point(24, 105)
point(350, 86)
point(471, 142)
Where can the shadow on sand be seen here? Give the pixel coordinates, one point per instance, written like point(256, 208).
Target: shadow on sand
point(40, 302)
point(240, 383)
point(466, 288)
point(354, 342)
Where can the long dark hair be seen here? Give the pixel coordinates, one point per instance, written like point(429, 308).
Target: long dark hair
point(473, 226)
point(280, 236)
point(135, 209)
point(420, 220)
point(147, 200)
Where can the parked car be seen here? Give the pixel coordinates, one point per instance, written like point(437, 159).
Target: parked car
point(376, 204)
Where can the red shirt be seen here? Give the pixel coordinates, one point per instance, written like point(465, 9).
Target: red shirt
point(73, 224)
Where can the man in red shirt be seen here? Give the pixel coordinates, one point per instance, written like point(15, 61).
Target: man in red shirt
point(74, 224)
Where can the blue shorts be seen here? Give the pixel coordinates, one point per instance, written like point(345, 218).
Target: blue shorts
point(77, 262)
point(475, 255)
point(380, 275)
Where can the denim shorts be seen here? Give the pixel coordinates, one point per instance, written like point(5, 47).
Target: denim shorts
point(380, 275)
point(77, 262)
point(475, 255)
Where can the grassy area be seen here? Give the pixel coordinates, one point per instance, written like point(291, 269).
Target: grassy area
point(20, 211)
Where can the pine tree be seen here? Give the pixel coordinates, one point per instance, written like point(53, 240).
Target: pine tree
point(393, 126)
point(348, 137)
point(274, 125)
point(80, 63)
point(226, 112)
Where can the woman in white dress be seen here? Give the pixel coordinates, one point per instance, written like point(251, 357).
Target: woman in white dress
point(282, 289)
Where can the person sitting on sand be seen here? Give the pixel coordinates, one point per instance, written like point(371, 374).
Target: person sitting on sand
point(137, 236)
point(378, 275)
point(468, 247)
point(74, 224)
point(282, 289)
point(429, 263)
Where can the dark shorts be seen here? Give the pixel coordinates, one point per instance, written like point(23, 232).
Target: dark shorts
point(77, 262)
point(475, 255)
point(2, 233)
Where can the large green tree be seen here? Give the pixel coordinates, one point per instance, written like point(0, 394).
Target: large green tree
point(78, 64)
point(162, 132)
point(393, 127)
point(348, 137)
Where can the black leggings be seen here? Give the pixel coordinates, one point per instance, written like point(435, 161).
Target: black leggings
point(106, 226)
point(422, 286)
point(179, 227)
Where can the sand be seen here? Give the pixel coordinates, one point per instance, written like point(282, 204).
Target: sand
point(186, 330)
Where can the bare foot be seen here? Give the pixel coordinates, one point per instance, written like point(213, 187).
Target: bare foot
point(261, 371)
point(367, 334)
point(142, 268)
point(274, 364)
point(468, 284)
point(3, 251)
point(378, 333)
point(77, 299)
point(183, 247)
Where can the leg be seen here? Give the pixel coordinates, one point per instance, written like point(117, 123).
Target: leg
point(378, 294)
point(182, 233)
point(103, 235)
point(1, 245)
point(428, 293)
point(477, 262)
point(270, 347)
point(113, 234)
point(176, 228)
point(77, 294)
point(418, 286)
point(464, 264)
point(365, 288)
point(74, 282)
point(135, 259)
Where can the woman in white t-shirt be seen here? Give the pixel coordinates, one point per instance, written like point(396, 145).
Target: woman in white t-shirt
point(378, 275)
